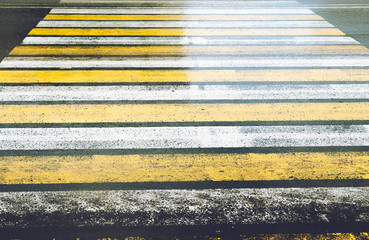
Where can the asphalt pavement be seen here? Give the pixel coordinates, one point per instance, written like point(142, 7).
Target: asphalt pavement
point(184, 119)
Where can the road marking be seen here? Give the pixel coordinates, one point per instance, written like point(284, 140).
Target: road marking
point(255, 40)
point(337, 6)
point(177, 17)
point(192, 4)
point(186, 62)
point(183, 137)
point(89, 113)
point(188, 92)
point(183, 24)
point(183, 32)
point(176, 207)
point(187, 50)
point(184, 167)
point(182, 76)
point(171, 11)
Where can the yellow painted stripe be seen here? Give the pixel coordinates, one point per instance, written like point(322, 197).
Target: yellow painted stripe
point(183, 167)
point(183, 32)
point(181, 17)
point(186, 50)
point(89, 113)
point(309, 236)
point(181, 76)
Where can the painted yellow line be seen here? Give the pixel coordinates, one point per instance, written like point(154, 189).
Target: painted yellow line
point(183, 32)
point(181, 76)
point(309, 236)
point(183, 167)
point(89, 113)
point(186, 50)
point(182, 17)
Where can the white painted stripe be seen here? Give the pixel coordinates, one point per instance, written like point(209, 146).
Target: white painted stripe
point(182, 137)
point(187, 40)
point(179, 11)
point(186, 62)
point(190, 3)
point(173, 207)
point(183, 24)
point(191, 92)
point(337, 5)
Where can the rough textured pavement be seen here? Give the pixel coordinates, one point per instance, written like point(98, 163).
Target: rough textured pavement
point(180, 118)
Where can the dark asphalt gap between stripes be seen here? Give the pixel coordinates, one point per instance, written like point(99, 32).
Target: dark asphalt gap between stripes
point(113, 186)
point(89, 152)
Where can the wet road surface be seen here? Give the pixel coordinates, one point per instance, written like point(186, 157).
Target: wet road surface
point(166, 119)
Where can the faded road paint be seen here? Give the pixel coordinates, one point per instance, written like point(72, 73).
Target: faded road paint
point(183, 76)
point(184, 95)
point(183, 24)
point(215, 137)
point(184, 167)
point(187, 62)
point(90, 113)
point(183, 32)
point(168, 10)
point(187, 50)
point(184, 207)
point(197, 41)
point(194, 92)
point(177, 17)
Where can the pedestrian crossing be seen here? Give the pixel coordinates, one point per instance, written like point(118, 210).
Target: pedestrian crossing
point(162, 116)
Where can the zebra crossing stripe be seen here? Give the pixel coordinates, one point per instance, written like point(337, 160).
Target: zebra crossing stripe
point(178, 207)
point(183, 24)
point(183, 137)
point(199, 112)
point(294, 61)
point(183, 76)
point(197, 41)
point(192, 92)
point(183, 167)
point(187, 50)
point(179, 17)
point(171, 11)
point(184, 32)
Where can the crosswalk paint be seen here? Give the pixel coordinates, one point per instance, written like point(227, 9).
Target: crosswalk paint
point(183, 167)
point(187, 50)
point(183, 32)
point(183, 24)
point(192, 92)
point(157, 10)
point(193, 4)
point(173, 207)
point(185, 62)
point(199, 112)
point(184, 93)
point(183, 137)
point(183, 41)
point(183, 76)
point(180, 17)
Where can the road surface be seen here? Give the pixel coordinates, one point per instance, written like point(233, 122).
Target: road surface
point(163, 119)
